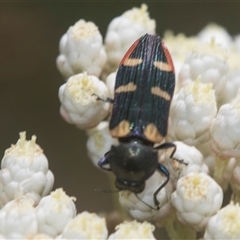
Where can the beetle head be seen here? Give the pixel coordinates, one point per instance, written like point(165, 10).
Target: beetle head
point(132, 163)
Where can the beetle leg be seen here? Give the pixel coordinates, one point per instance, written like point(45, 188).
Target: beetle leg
point(109, 100)
point(171, 145)
point(104, 161)
point(163, 170)
point(145, 202)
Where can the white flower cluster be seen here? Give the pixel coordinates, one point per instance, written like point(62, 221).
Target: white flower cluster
point(24, 171)
point(204, 123)
point(29, 210)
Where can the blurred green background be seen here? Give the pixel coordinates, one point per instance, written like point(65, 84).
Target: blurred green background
point(29, 80)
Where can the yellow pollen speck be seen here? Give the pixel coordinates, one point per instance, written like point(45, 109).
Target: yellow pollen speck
point(196, 181)
point(93, 226)
point(141, 16)
point(195, 186)
point(202, 92)
point(230, 223)
point(81, 88)
point(61, 198)
point(25, 149)
point(134, 230)
point(99, 140)
point(83, 30)
point(212, 49)
point(212, 42)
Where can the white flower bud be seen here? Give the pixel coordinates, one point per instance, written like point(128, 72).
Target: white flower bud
point(123, 31)
point(191, 113)
point(144, 209)
point(197, 198)
point(81, 50)
point(133, 230)
point(99, 142)
point(54, 212)
point(218, 32)
point(179, 54)
point(225, 129)
point(237, 43)
point(78, 104)
point(232, 86)
point(208, 62)
point(192, 161)
point(18, 219)
point(233, 59)
point(225, 140)
point(24, 171)
point(85, 226)
point(225, 224)
point(110, 82)
point(235, 181)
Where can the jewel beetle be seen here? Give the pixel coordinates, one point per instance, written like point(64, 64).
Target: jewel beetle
point(144, 88)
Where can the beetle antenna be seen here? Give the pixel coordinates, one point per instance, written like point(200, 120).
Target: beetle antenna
point(99, 190)
point(109, 100)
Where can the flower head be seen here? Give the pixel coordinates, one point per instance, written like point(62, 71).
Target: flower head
point(208, 61)
point(225, 130)
point(24, 171)
point(78, 104)
point(81, 50)
point(133, 230)
point(225, 224)
point(18, 218)
point(191, 112)
point(85, 226)
point(122, 32)
point(196, 199)
point(54, 212)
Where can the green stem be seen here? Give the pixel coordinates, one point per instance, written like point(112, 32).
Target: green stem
point(169, 226)
point(176, 230)
point(220, 166)
point(185, 232)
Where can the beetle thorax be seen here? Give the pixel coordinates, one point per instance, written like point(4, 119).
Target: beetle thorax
point(133, 163)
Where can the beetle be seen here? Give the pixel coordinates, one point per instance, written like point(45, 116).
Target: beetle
point(144, 88)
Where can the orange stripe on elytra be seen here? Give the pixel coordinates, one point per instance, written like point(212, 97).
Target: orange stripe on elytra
point(131, 62)
point(163, 66)
point(121, 130)
point(152, 134)
point(168, 56)
point(161, 93)
point(130, 87)
point(127, 54)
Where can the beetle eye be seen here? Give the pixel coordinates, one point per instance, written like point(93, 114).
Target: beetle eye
point(133, 184)
point(125, 182)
